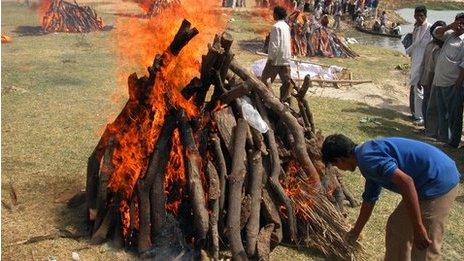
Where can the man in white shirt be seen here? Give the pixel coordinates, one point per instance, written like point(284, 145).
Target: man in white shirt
point(448, 80)
point(421, 37)
point(279, 54)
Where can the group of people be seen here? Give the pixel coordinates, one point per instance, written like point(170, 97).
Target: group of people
point(310, 34)
point(427, 179)
point(437, 77)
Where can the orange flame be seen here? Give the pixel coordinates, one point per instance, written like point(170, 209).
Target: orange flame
point(138, 41)
point(42, 8)
point(175, 180)
point(298, 190)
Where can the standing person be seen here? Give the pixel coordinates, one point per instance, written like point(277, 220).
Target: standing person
point(429, 105)
point(279, 53)
point(448, 79)
point(420, 38)
point(318, 13)
point(426, 178)
point(383, 19)
point(337, 18)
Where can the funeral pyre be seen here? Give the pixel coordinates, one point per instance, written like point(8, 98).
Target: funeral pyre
point(312, 37)
point(220, 164)
point(62, 16)
point(155, 7)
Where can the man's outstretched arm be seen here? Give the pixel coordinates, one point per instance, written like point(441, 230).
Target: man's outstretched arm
point(363, 217)
point(409, 193)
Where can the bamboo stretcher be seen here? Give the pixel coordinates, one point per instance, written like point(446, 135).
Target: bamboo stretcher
point(345, 77)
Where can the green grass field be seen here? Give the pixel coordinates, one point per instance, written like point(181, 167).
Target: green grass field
point(57, 94)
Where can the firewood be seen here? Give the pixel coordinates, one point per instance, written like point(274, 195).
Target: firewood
point(225, 121)
point(222, 169)
point(271, 214)
point(105, 171)
point(100, 234)
point(91, 188)
point(193, 161)
point(182, 37)
point(264, 242)
point(209, 64)
point(152, 199)
point(245, 209)
point(304, 87)
point(214, 194)
point(270, 101)
point(235, 191)
point(236, 92)
point(276, 170)
point(252, 227)
point(352, 200)
point(307, 111)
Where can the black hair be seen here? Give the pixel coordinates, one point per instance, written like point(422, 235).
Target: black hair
point(421, 9)
point(459, 16)
point(337, 146)
point(280, 12)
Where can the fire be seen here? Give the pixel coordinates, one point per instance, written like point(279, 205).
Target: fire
point(299, 190)
point(175, 180)
point(42, 8)
point(138, 41)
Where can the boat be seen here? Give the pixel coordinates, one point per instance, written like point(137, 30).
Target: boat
point(369, 31)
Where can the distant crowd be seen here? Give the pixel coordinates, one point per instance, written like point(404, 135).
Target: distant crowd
point(437, 76)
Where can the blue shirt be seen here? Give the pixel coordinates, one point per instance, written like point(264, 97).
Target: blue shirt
point(433, 172)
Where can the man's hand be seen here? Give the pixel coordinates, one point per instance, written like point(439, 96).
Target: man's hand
point(352, 236)
point(421, 239)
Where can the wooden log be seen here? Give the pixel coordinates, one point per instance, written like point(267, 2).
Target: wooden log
point(276, 170)
point(225, 121)
point(226, 43)
point(196, 192)
point(151, 187)
point(348, 195)
point(270, 101)
point(351, 82)
point(309, 115)
point(236, 179)
point(237, 91)
point(271, 214)
point(256, 183)
point(214, 194)
point(91, 188)
point(100, 234)
point(304, 87)
point(264, 242)
point(221, 162)
point(209, 64)
point(245, 210)
point(182, 37)
point(105, 171)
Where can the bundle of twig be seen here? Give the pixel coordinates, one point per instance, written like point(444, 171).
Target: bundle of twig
point(63, 16)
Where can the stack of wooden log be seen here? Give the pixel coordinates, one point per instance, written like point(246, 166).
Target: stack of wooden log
point(63, 16)
point(242, 186)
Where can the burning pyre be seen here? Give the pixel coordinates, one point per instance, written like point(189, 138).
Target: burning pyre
point(62, 16)
point(155, 7)
point(181, 168)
